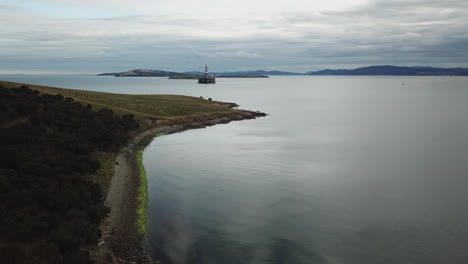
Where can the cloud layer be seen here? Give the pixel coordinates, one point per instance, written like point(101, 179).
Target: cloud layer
point(180, 36)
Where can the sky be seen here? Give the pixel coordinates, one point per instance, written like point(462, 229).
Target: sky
point(94, 36)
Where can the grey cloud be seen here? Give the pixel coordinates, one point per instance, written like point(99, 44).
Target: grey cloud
point(411, 32)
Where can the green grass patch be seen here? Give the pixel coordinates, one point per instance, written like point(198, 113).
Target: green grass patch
point(142, 195)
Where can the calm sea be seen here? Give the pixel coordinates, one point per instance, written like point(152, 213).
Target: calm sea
point(343, 170)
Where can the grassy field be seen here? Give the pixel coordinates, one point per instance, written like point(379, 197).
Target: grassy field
point(141, 106)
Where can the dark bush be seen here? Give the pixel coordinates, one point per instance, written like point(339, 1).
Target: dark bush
point(48, 207)
point(47, 253)
point(11, 254)
point(64, 240)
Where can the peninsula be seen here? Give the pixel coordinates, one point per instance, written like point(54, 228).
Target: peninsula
point(72, 163)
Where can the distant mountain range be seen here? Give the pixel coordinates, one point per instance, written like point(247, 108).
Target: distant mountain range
point(371, 70)
point(395, 70)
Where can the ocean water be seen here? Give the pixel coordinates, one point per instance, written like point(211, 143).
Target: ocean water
point(342, 170)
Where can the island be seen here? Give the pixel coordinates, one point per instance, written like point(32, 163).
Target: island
point(73, 183)
point(143, 73)
point(174, 75)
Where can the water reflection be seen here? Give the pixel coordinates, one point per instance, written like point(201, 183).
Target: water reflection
point(343, 171)
point(282, 250)
point(209, 249)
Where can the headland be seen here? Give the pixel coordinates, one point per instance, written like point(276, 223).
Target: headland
point(120, 172)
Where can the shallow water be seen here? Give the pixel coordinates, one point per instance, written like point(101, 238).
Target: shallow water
point(343, 170)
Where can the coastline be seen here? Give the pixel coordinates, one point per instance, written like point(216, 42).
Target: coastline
point(118, 236)
point(122, 242)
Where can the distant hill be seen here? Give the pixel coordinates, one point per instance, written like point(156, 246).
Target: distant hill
point(144, 73)
point(191, 75)
point(107, 74)
point(395, 70)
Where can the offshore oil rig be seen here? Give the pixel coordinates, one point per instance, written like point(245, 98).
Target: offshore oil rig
point(206, 78)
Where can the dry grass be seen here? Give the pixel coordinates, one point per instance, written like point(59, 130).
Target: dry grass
point(141, 106)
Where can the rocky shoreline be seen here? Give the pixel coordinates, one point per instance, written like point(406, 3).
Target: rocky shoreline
point(121, 243)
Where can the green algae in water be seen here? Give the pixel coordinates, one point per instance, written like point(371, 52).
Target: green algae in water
point(142, 191)
point(142, 195)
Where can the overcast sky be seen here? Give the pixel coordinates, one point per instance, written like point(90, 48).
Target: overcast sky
point(89, 36)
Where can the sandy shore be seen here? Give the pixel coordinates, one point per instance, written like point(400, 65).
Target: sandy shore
point(120, 241)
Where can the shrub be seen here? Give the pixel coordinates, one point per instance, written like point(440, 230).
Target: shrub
point(45, 194)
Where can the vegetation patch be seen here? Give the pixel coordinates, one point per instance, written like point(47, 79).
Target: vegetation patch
point(143, 188)
point(142, 195)
point(51, 145)
point(103, 176)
